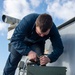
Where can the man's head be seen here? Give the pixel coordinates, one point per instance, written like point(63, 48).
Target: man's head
point(43, 24)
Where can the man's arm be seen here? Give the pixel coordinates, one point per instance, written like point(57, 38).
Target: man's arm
point(21, 31)
point(56, 44)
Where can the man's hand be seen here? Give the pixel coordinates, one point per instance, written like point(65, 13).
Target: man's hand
point(32, 56)
point(44, 60)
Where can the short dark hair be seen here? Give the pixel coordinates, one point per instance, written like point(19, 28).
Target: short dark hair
point(44, 21)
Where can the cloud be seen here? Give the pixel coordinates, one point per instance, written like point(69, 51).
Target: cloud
point(14, 8)
point(3, 28)
point(35, 3)
point(17, 8)
point(62, 9)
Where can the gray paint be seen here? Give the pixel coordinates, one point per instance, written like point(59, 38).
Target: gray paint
point(67, 59)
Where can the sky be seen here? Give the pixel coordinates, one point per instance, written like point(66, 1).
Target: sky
point(60, 10)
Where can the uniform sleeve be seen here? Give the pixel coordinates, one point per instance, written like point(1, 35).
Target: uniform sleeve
point(22, 30)
point(56, 44)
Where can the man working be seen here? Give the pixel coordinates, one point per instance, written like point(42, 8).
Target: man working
point(29, 39)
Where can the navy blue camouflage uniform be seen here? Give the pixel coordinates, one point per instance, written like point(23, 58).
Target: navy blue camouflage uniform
point(25, 39)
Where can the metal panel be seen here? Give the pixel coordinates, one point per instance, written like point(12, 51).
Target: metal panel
point(42, 70)
point(10, 33)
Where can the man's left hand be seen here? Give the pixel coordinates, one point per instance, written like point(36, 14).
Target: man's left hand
point(44, 60)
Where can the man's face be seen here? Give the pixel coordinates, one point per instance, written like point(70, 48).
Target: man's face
point(42, 34)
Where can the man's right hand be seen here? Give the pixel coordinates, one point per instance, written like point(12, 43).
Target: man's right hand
point(32, 56)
